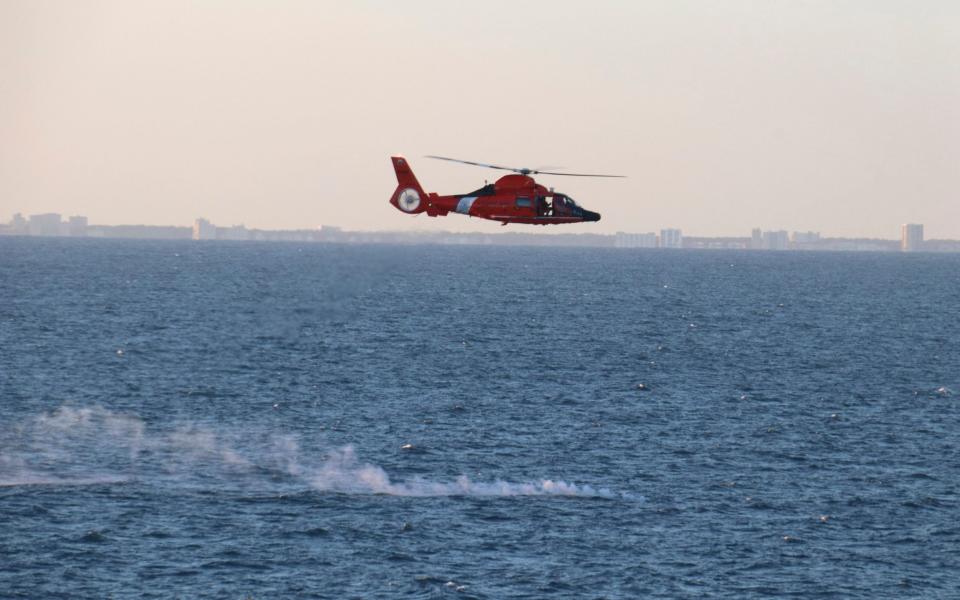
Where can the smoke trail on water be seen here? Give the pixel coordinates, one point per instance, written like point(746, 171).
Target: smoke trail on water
point(70, 446)
point(343, 472)
point(85, 446)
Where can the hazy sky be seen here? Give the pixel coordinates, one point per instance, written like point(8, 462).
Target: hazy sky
point(837, 116)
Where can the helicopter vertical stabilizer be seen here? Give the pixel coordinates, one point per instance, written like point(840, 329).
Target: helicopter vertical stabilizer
point(409, 196)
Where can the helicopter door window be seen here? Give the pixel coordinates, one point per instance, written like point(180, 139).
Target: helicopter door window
point(523, 202)
point(544, 206)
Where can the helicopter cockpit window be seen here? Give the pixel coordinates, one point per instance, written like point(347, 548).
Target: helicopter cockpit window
point(523, 202)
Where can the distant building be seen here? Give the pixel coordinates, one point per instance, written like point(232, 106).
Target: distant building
point(776, 240)
point(141, 232)
point(858, 245)
point(204, 230)
point(941, 245)
point(18, 225)
point(716, 243)
point(45, 224)
point(235, 233)
point(77, 226)
point(671, 238)
point(756, 239)
point(911, 237)
point(805, 238)
point(635, 240)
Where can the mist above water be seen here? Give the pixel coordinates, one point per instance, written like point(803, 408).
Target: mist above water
point(93, 445)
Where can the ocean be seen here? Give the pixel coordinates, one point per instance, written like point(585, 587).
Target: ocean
point(281, 420)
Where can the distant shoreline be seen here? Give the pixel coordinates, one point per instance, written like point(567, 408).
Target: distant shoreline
point(507, 238)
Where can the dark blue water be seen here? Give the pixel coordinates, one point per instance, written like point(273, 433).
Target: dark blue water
point(279, 420)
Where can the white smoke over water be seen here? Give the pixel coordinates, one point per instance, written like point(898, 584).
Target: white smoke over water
point(25, 479)
point(86, 446)
point(342, 472)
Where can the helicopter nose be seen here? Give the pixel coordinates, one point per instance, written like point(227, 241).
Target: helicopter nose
point(590, 216)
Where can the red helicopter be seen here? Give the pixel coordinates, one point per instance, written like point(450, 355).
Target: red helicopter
point(513, 198)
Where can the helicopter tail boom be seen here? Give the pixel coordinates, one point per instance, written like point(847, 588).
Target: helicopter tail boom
point(409, 195)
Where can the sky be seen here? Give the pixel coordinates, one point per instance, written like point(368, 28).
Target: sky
point(838, 116)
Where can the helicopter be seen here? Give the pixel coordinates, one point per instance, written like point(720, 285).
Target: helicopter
point(514, 198)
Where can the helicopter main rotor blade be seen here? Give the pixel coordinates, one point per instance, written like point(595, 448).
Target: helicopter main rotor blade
point(476, 164)
point(523, 171)
point(574, 174)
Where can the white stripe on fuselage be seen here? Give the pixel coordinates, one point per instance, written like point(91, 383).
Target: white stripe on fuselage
point(463, 207)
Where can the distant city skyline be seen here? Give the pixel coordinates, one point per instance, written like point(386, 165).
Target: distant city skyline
point(54, 225)
point(841, 117)
point(761, 238)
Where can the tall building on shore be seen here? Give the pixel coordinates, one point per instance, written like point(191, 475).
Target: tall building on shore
point(671, 238)
point(204, 230)
point(45, 224)
point(19, 225)
point(776, 240)
point(77, 226)
point(911, 237)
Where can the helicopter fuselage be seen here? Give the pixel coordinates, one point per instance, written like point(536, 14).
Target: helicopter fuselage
point(513, 198)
